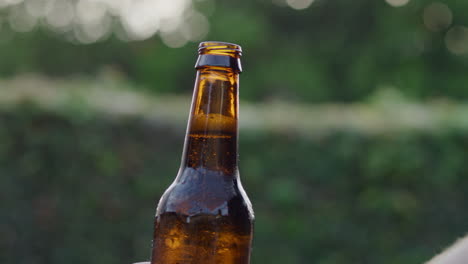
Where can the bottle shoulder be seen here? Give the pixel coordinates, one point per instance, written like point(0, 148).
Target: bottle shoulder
point(201, 191)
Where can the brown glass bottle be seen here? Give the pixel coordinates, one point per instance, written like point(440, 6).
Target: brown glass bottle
point(205, 216)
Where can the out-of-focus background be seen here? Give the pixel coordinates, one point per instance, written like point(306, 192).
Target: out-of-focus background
point(354, 125)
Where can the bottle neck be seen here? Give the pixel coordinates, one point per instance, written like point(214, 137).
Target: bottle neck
point(211, 138)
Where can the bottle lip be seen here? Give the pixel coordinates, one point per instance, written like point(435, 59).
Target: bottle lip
point(219, 47)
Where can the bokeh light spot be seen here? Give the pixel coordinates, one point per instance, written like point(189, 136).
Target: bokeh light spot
point(437, 16)
point(173, 8)
point(61, 16)
point(92, 32)
point(195, 27)
point(173, 39)
point(20, 21)
point(89, 11)
point(397, 3)
point(39, 8)
point(170, 24)
point(87, 20)
point(299, 4)
point(142, 19)
point(5, 3)
point(456, 40)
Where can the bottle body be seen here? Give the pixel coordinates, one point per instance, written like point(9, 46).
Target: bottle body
point(205, 216)
point(214, 225)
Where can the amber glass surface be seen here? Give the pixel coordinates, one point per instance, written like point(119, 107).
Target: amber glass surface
point(220, 48)
point(205, 215)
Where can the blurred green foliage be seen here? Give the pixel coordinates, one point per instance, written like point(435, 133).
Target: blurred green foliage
point(77, 187)
point(335, 50)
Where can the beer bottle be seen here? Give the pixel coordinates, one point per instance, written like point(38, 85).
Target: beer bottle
point(205, 216)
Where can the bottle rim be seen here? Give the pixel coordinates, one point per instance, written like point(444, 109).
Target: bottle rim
point(206, 47)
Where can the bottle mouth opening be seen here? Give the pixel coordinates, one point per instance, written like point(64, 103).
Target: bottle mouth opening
point(219, 48)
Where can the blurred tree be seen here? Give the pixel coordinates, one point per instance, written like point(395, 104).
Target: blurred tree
point(298, 50)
